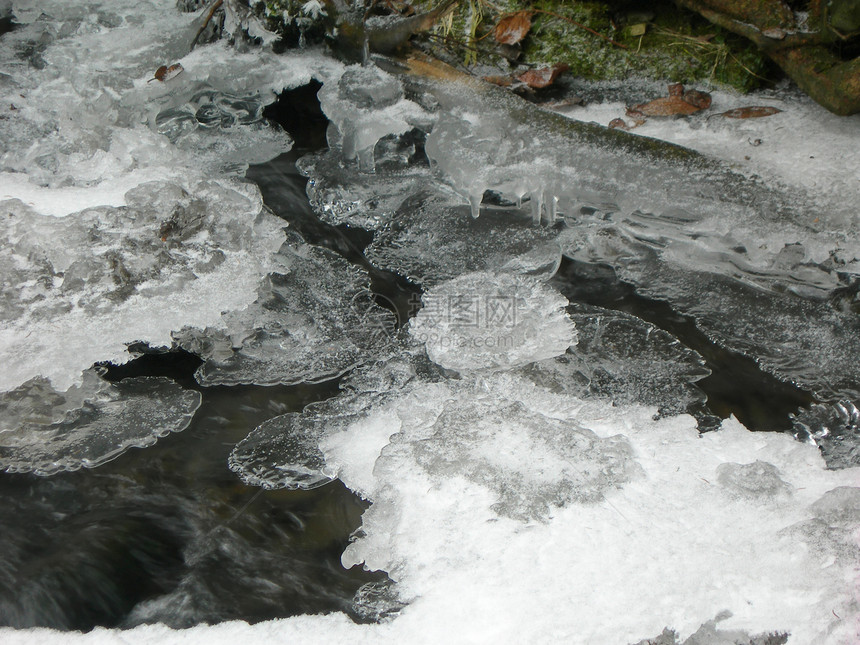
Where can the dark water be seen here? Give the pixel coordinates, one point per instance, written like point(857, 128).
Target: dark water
point(83, 549)
point(169, 534)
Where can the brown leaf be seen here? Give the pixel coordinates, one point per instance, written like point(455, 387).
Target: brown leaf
point(165, 73)
point(666, 106)
point(750, 112)
point(676, 89)
point(619, 124)
point(544, 77)
point(701, 100)
point(503, 81)
point(513, 28)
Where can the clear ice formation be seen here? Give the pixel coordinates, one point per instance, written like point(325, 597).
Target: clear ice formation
point(44, 431)
point(492, 321)
point(284, 452)
point(626, 360)
point(694, 227)
point(127, 215)
point(811, 341)
point(341, 194)
point(226, 132)
point(431, 238)
point(364, 106)
point(834, 428)
point(314, 319)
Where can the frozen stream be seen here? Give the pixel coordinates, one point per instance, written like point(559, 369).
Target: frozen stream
point(501, 375)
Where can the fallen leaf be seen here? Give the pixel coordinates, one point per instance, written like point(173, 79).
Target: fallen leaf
point(701, 100)
point(666, 106)
point(503, 81)
point(165, 73)
point(750, 112)
point(513, 28)
point(544, 77)
point(619, 124)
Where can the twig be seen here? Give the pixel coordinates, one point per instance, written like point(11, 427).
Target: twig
point(581, 26)
point(206, 22)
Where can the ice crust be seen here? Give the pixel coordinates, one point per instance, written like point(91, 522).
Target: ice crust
point(44, 431)
point(314, 318)
point(718, 244)
point(812, 341)
point(492, 321)
point(464, 447)
point(626, 360)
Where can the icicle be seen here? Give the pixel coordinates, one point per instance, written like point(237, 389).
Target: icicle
point(366, 160)
point(537, 206)
point(552, 209)
point(475, 203)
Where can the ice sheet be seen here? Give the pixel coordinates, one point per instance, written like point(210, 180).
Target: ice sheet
point(626, 360)
point(432, 238)
point(491, 321)
point(75, 290)
point(44, 431)
point(803, 145)
point(314, 318)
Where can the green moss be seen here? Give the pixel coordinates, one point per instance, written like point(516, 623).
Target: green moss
point(676, 46)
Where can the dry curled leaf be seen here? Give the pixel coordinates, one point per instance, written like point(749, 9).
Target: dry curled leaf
point(619, 124)
point(666, 106)
point(544, 77)
point(165, 73)
point(513, 28)
point(750, 112)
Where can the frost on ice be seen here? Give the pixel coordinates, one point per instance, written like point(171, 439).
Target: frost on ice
point(45, 431)
point(492, 321)
point(314, 318)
